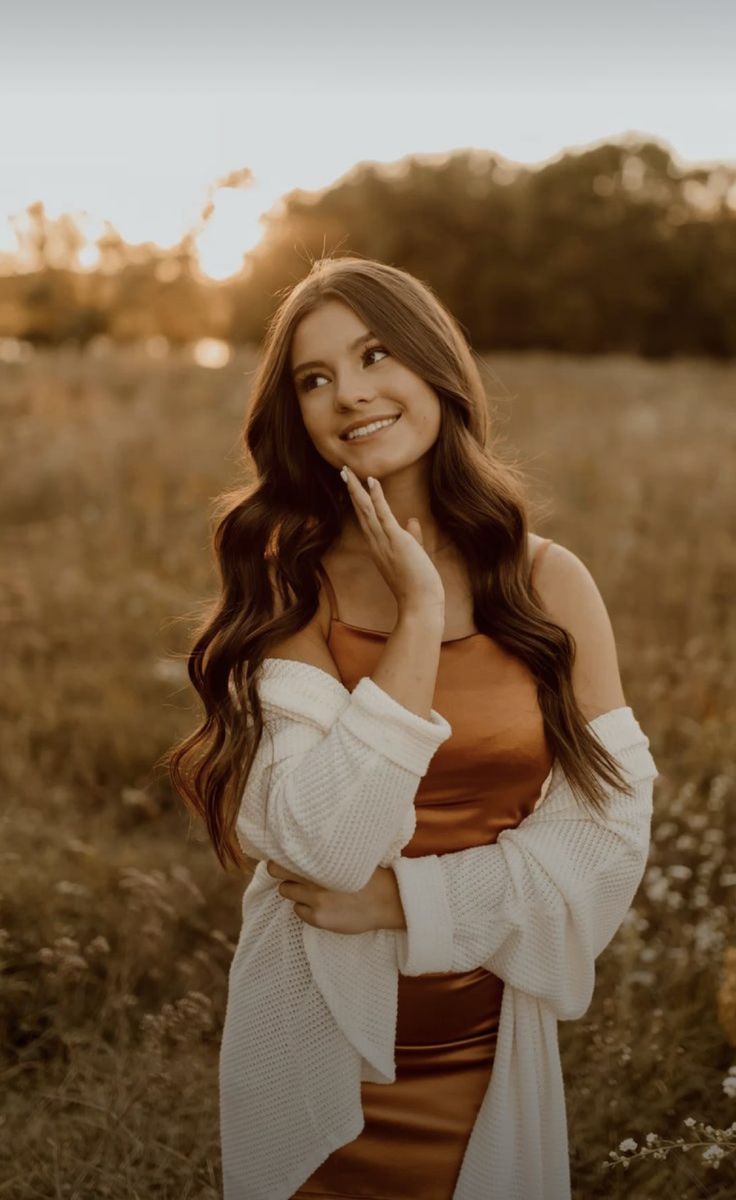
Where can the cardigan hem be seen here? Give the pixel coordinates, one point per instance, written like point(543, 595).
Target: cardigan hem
point(235, 1189)
point(348, 1133)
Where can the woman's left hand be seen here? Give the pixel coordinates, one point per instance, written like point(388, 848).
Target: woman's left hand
point(376, 906)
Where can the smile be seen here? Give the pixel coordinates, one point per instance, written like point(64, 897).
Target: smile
point(375, 431)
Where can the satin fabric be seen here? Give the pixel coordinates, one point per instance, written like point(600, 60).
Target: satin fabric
point(485, 778)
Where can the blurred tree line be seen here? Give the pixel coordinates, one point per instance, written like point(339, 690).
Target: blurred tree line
point(611, 248)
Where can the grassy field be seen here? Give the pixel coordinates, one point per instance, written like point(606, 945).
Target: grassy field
point(117, 923)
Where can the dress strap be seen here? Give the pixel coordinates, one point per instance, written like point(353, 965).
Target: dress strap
point(539, 553)
point(332, 598)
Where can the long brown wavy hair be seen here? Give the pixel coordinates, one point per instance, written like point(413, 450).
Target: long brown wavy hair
point(275, 530)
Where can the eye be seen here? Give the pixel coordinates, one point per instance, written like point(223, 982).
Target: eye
point(372, 350)
point(305, 384)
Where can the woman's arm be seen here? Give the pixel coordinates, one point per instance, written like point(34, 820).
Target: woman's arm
point(331, 790)
point(539, 905)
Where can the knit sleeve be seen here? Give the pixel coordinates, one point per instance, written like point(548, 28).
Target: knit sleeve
point(539, 905)
point(330, 794)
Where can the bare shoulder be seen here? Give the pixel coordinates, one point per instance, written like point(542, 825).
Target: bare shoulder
point(571, 598)
point(533, 543)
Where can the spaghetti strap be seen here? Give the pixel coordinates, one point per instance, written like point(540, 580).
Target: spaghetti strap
point(539, 554)
point(332, 598)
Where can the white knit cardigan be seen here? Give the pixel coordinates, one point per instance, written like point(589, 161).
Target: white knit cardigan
point(312, 1013)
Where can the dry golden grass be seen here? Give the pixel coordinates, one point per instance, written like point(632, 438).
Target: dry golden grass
point(118, 925)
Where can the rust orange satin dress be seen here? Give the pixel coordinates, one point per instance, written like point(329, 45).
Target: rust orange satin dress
point(485, 778)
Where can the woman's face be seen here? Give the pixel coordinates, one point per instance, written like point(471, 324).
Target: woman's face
point(342, 375)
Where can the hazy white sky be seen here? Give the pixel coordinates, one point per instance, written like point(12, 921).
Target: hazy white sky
point(131, 114)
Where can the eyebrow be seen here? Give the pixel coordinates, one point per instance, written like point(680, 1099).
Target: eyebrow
point(364, 337)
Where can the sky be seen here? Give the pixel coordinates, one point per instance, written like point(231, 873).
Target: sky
point(133, 113)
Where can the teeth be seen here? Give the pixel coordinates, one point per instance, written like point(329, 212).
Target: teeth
point(366, 429)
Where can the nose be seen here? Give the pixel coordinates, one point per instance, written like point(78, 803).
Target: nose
point(351, 385)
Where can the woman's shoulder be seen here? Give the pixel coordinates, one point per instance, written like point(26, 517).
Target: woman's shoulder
point(549, 559)
point(555, 564)
point(572, 599)
point(534, 546)
point(559, 575)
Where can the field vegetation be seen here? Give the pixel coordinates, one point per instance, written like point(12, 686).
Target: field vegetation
point(118, 925)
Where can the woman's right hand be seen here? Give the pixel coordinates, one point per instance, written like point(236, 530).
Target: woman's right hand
point(398, 553)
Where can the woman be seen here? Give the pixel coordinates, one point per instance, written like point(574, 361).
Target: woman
point(451, 809)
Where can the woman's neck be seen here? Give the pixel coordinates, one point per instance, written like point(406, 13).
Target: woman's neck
point(357, 547)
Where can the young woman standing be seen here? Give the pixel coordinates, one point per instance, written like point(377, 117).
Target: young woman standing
point(396, 559)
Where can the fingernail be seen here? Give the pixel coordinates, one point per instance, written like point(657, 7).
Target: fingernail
point(371, 481)
point(344, 474)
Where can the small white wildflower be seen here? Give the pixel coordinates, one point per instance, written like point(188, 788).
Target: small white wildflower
point(79, 847)
point(628, 1144)
point(643, 978)
point(689, 1121)
point(713, 1154)
point(664, 830)
point(169, 670)
point(679, 871)
point(140, 799)
point(729, 1084)
point(685, 841)
point(98, 945)
point(656, 889)
point(652, 1138)
point(66, 887)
